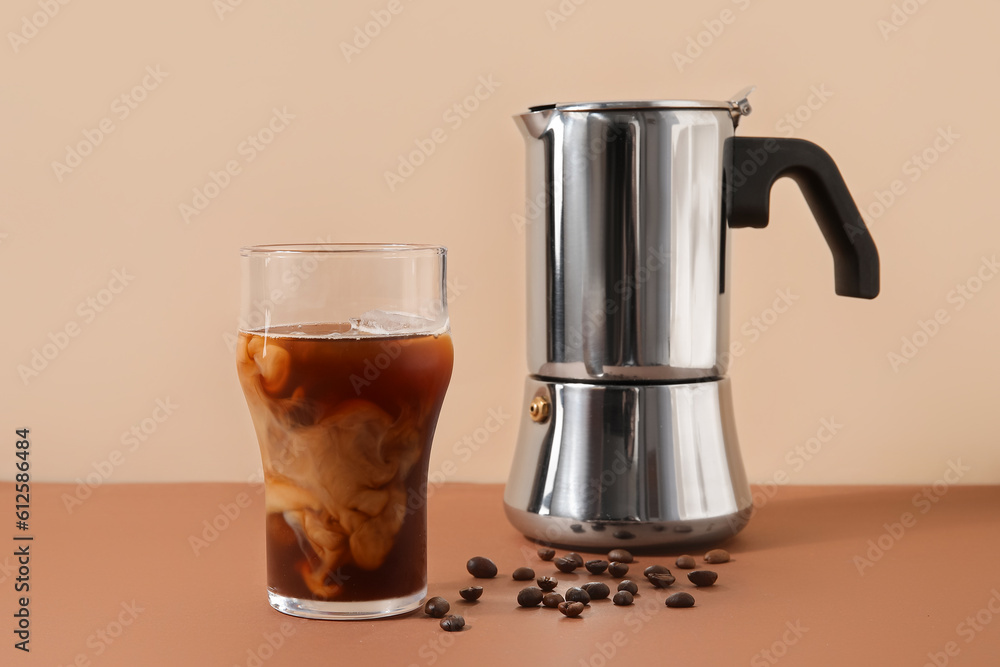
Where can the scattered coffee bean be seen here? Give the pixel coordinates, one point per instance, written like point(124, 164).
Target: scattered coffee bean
point(552, 600)
point(546, 554)
point(623, 599)
point(452, 623)
point(577, 558)
point(702, 577)
point(617, 570)
point(620, 555)
point(597, 527)
point(437, 607)
point(523, 574)
point(655, 569)
point(624, 535)
point(530, 596)
point(717, 556)
point(597, 590)
point(576, 528)
point(686, 562)
point(628, 586)
point(548, 583)
point(680, 600)
point(661, 580)
point(472, 593)
point(596, 566)
point(571, 609)
point(566, 565)
point(481, 567)
point(577, 595)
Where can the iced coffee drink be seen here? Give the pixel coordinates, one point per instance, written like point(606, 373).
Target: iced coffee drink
point(344, 415)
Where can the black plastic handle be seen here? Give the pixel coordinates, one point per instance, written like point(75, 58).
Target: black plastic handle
point(757, 162)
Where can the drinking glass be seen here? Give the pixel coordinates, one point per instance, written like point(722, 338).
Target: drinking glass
point(344, 357)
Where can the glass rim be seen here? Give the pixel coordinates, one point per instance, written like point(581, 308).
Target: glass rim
point(343, 248)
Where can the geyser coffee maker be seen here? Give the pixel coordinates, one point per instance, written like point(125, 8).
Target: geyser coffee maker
point(627, 436)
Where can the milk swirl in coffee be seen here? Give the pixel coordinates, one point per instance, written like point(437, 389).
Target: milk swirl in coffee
point(344, 420)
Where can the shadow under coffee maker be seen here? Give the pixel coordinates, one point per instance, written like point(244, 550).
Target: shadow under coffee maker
point(627, 437)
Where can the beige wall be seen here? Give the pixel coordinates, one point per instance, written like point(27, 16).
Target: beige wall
point(161, 337)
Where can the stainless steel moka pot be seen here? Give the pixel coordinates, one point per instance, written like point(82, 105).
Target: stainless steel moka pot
point(627, 437)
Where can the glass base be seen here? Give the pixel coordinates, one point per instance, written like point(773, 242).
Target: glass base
point(346, 611)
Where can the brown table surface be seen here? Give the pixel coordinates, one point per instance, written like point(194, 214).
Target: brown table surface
point(116, 581)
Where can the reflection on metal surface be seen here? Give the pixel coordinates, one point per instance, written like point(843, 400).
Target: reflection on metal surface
point(650, 465)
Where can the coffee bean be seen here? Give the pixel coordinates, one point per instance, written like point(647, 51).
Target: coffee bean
point(702, 577)
point(571, 609)
point(680, 600)
point(452, 623)
point(546, 554)
point(617, 570)
point(655, 569)
point(624, 535)
point(530, 596)
point(686, 562)
point(437, 607)
point(576, 528)
point(629, 586)
point(547, 583)
point(552, 600)
point(481, 567)
point(596, 566)
point(577, 558)
point(523, 574)
point(577, 595)
point(620, 555)
point(566, 565)
point(660, 580)
point(597, 590)
point(472, 593)
point(622, 598)
point(717, 556)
